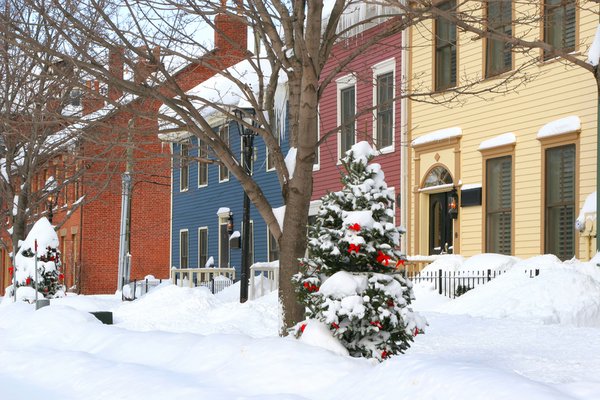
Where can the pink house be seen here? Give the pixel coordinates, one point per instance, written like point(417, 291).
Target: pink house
point(364, 99)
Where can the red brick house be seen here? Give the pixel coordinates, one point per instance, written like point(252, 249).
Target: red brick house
point(89, 239)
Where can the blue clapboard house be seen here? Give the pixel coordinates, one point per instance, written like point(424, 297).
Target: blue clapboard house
point(206, 197)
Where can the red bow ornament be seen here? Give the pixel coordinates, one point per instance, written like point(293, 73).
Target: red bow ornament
point(383, 258)
point(355, 227)
point(353, 248)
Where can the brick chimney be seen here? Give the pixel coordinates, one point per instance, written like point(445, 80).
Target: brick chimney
point(116, 61)
point(92, 101)
point(144, 67)
point(231, 31)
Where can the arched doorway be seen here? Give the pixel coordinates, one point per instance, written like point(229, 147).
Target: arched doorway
point(441, 233)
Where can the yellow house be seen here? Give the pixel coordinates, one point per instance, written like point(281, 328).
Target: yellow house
point(508, 170)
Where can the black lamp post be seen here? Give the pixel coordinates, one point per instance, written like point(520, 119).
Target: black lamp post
point(247, 134)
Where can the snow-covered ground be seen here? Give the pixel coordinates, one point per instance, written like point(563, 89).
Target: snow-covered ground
point(513, 338)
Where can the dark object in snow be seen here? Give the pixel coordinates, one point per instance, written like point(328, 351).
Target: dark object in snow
point(106, 317)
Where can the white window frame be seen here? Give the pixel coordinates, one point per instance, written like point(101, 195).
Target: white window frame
point(344, 83)
point(382, 68)
point(202, 228)
point(188, 247)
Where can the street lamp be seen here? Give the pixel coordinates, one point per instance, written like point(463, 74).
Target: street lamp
point(246, 115)
point(51, 202)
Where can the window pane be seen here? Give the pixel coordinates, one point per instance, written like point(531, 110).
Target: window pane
point(347, 108)
point(273, 248)
point(202, 247)
point(560, 201)
point(559, 25)
point(445, 50)
point(183, 249)
point(385, 102)
point(499, 205)
point(223, 171)
point(223, 246)
point(184, 168)
point(202, 166)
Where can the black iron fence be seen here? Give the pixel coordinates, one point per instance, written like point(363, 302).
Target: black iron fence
point(455, 283)
point(137, 288)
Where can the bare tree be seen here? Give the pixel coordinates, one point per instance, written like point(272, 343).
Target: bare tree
point(293, 40)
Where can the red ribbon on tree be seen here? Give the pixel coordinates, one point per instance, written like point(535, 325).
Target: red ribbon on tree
point(28, 281)
point(400, 263)
point(11, 270)
point(384, 355)
point(355, 227)
point(383, 258)
point(353, 248)
point(302, 327)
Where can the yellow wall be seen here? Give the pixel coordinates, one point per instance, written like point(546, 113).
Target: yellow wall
point(557, 90)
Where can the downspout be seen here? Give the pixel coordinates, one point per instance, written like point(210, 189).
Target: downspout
point(404, 162)
point(171, 214)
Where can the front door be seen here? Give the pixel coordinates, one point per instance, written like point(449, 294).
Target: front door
point(440, 224)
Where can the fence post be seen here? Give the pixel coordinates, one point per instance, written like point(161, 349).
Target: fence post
point(489, 275)
point(134, 287)
point(537, 272)
point(440, 281)
point(212, 285)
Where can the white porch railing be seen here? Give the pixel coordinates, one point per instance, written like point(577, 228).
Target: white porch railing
point(264, 278)
point(197, 276)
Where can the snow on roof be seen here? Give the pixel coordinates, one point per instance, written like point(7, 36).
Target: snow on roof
point(560, 126)
point(587, 212)
point(221, 90)
point(594, 50)
point(498, 141)
point(437, 136)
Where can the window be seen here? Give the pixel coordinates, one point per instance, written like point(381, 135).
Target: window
point(559, 25)
point(202, 166)
point(183, 249)
point(385, 110)
point(184, 167)
point(273, 247)
point(498, 205)
point(202, 247)
point(347, 114)
point(223, 171)
point(498, 55)
point(223, 243)
point(445, 50)
point(560, 201)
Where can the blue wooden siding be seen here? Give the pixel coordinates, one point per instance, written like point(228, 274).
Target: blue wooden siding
point(197, 207)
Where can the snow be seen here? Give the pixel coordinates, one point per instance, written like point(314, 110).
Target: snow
point(587, 212)
point(362, 218)
point(210, 262)
point(468, 186)
point(498, 141)
point(560, 126)
point(279, 215)
point(223, 210)
point(513, 338)
point(437, 136)
point(234, 235)
point(594, 51)
point(290, 161)
point(343, 284)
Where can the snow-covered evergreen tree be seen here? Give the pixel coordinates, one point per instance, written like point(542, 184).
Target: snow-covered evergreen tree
point(349, 281)
point(49, 276)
